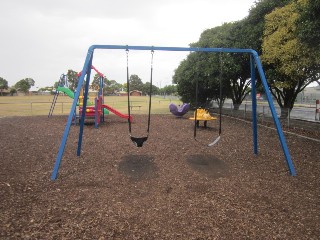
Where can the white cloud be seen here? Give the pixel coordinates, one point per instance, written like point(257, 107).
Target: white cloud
point(42, 39)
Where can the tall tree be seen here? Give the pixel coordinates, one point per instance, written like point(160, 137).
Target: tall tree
point(56, 85)
point(30, 81)
point(291, 65)
point(249, 31)
point(168, 90)
point(232, 67)
point(146, 89)
point(308, 23)
point(95, 84)
point(135, 83)
point(183, 77)
point(13, 91)
point(72, 77)
point(23, 85)
point(199, 69)
point(3, 84)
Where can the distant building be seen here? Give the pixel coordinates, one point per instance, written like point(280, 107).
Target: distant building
point(4, 92)
point(122, 93)
point(135, 93)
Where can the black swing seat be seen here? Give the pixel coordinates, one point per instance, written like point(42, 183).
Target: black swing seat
point(138, 141)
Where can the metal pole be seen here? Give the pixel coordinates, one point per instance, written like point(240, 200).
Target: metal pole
point(55, 171)
point(275, 117)
point(254, 105)
point(87, 72)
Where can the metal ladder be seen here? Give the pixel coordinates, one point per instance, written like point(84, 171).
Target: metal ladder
point(62, 81)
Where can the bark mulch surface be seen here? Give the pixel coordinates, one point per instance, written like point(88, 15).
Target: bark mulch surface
point(172, 188)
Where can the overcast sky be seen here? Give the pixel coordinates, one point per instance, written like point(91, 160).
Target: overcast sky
point(42, 39)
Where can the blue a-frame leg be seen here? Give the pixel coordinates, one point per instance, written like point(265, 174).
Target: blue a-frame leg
point(254, 106)
point(86, 69)
point(274, 115)
point(254, 63)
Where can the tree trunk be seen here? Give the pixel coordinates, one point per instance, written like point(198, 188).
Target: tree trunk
point(236, 106)
point(284, 112)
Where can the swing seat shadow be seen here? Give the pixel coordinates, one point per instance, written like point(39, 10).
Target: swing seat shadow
point(208, 165)
point(138, 167)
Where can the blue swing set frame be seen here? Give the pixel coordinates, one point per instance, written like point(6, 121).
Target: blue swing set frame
point(254, 63)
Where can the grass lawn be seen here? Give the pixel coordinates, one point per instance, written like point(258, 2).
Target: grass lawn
point(40, 104)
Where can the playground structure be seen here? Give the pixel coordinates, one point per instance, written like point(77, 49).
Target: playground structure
point(96, 110)
point(201, 114)
point(255, 63)
point(179, 111)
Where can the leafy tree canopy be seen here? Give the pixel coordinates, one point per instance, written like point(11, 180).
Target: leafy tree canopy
point(250, 29)
point(308, 23)
point(72, 77)
point(30, 81)
point(95, 84)
point(13, 91)
point(291, 65)
point(3, 84)
point(169, 90)
point(24, 85)
point(209, 68)
point(146, 89)
point(135, 83)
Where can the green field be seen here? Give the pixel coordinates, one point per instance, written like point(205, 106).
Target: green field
point(40, 105)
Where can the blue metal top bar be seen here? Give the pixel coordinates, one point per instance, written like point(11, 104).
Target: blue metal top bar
point(181, 49)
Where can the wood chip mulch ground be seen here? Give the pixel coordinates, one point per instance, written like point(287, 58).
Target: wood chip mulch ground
point(172, 188)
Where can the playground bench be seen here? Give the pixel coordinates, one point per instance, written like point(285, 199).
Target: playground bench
point(136, 106)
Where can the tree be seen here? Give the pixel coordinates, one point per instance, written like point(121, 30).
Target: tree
point(3, 84)
point(23, 85)
point(95, 84)
point(13, 91)
point(249, 31)
point(30, 81)
point(184, 80)
point(198, 69)
point(246, 33)
point(56, 85)
point(113, 87)
point(72, 77)
point(308, 23)
point(135, 83)
point(291, 65)
point(125, 87)
point(232, 68)
point(146, 89)
point(168, 90)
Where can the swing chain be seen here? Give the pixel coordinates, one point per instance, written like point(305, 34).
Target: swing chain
point(138, 141)
point(127, 53)
point(152, 52)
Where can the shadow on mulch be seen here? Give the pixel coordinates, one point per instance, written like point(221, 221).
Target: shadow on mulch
point(208, 165)
point(138, 167)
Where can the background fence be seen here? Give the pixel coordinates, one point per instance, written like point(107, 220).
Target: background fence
point(10, 106)
point(40, 105)
point(301, 116)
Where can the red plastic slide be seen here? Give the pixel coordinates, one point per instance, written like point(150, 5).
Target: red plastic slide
point(116, 112)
